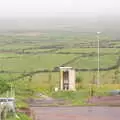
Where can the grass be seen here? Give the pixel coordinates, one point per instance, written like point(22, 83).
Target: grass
point(91, 62)
point(48, 61)
point(15, 46)
point(3, 55)
point(37, 50)
point(89, 50)
point(11, 118)
point(9, 76)
point(42, 84)
point(75, 98)
point(34, 62)
point(22, 116)
point(46, 82)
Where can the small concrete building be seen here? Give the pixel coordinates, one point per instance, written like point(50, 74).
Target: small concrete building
point(67, 78)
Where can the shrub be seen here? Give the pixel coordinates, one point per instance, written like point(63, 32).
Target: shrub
point(79, 79)
point(4, 86)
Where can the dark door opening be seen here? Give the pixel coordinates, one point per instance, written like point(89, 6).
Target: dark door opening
point(65, 80)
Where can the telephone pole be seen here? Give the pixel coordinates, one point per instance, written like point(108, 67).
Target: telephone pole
point(98, 61)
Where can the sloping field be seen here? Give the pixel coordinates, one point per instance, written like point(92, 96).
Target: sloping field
point(91, 62)
point(89, 50)
point(34, 62)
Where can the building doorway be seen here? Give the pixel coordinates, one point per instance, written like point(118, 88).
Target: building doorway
point(65, 80)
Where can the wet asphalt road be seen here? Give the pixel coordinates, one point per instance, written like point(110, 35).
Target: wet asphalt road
point(77, 113)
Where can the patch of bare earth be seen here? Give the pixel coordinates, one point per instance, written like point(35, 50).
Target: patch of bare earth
point(106, 100)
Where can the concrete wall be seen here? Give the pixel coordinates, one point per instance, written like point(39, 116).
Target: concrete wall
point(72, 78)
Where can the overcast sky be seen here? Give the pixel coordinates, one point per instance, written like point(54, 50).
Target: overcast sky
point(18, 8)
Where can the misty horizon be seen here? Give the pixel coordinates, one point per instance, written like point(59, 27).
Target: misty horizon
point(86, 23)
point(72, 15)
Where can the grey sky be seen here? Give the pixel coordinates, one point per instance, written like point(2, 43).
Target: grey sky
point(10, 8)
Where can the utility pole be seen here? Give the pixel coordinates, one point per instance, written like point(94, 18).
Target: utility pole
point(98, 64)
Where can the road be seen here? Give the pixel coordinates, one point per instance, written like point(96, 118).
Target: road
point(77, 113)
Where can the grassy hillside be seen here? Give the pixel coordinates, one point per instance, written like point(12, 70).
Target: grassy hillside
point(24, 53)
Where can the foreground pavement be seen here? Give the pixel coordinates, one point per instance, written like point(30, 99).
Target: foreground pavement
point(76, 113)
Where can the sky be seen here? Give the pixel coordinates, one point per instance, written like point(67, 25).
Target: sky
point(36, 8)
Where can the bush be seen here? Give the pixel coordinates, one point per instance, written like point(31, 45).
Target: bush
point(79, 79)
point(22, 117)
point(4, 86)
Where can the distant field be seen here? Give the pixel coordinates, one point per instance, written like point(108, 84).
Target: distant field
point(34, 62)
point(59, 42)
point(17, 46)
point(90, 50)
point(3, 55)
point(31, 51)
point(91, 62)
point(37, 50)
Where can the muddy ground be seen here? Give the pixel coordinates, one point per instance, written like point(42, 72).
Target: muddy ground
point(77, 113)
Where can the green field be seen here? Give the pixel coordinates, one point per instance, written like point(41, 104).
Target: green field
point(91, 62)
point(27, 53)
point(31, 59)
point(90, 50)
point(34, 62)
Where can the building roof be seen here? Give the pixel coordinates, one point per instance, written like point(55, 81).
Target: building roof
point(65, 68)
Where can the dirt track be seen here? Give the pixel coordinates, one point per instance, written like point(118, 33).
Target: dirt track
point(77, 113)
